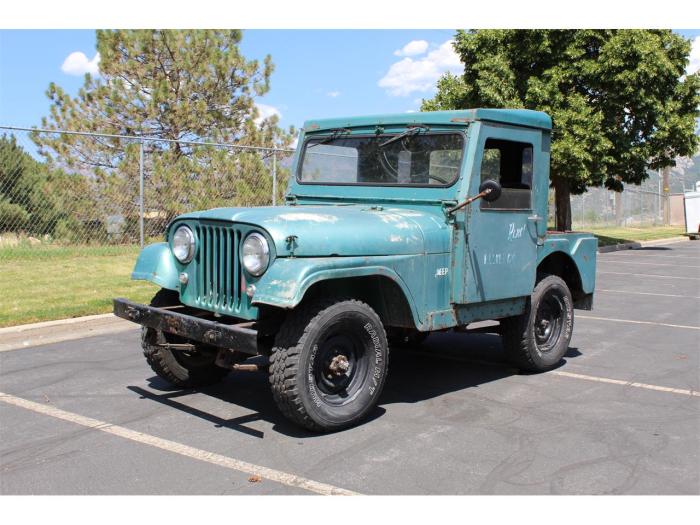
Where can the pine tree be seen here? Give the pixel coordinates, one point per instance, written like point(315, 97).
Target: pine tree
point(180, 85)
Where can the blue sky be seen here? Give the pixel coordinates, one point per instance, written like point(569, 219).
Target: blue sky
point(319, 73)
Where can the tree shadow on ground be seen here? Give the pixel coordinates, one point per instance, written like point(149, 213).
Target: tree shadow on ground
point(444, 363)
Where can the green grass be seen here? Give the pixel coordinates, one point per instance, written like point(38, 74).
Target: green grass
point(617, 235)
point(43, 283)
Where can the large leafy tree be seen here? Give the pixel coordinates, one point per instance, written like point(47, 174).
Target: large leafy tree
point(180, 85)
point(620, 100)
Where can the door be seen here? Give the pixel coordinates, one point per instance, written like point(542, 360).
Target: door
point(501, 236)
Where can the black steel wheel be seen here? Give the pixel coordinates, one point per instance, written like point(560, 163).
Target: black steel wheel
point(538, 339)
point(329, 363)
point(549, 321)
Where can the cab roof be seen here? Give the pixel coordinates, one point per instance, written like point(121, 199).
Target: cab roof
point(518, 117)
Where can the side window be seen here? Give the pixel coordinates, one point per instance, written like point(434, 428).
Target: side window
point(511, 164)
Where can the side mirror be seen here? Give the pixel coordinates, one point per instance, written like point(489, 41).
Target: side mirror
point(489, 190)
point(494, 186)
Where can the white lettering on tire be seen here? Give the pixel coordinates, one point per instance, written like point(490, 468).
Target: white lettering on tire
point(310, 377)
point(377, 372)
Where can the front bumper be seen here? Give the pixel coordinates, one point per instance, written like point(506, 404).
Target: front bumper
point(239, 337)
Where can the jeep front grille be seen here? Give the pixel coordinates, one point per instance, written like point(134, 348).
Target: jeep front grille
point(217, 283)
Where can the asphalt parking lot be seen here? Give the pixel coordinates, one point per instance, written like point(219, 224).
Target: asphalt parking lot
point(620, 416)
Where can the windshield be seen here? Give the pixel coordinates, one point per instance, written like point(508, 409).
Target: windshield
point(408, 159)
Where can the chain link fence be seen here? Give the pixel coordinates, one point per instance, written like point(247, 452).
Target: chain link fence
point(65, 188)
point(88, 190)
point(638, 206)
point(634, 207)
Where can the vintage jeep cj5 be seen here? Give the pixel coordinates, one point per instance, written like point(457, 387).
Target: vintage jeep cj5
point(393, 227)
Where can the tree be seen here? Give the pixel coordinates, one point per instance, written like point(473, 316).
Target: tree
point(36, 200)
point(620, 100)
point(179, 85)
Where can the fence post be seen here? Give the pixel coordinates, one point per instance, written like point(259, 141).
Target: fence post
point(141, 192)
point(274, 178)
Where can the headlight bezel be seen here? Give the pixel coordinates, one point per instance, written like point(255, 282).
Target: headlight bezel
point(191, 244)
point(265, 254)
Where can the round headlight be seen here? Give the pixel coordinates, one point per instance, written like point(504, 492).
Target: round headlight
point(183, 244)
point(256, 254)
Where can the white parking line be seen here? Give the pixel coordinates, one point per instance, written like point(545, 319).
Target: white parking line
point(653, 264)
point(653, 275)
point(637, 322)
point(648, 293)
point(284, 478)
point(627, 383)
point(632, 253)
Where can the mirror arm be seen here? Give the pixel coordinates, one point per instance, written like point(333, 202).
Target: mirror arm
point(469, 201)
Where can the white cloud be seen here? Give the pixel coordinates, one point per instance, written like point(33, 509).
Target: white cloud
point(409, 75)
point(694, 64)
point(414, 47)
point(77, 63)
point(333, 94)
point(265, 111)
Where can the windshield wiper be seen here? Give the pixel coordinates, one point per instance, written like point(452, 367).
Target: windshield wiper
point(410, 130)
point(335, 133)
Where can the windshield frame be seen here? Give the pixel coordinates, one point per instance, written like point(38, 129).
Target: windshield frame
point(461, 132)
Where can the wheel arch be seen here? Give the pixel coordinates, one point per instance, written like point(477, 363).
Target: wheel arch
point(562, 265)
point(384, 294)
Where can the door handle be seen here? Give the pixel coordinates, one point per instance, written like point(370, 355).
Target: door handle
point(540, 227)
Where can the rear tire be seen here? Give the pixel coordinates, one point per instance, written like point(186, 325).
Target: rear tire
point(178, 368)
point(329, 364)
point(537, 339)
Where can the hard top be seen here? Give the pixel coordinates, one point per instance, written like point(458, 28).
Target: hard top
point(518, 117)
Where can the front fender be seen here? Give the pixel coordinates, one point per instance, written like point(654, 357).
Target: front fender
point(157, 264)
point(287, 280)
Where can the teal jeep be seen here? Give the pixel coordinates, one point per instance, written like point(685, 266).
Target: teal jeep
point(393, 227)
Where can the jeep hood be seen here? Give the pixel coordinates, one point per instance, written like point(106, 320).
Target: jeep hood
point(341, 230)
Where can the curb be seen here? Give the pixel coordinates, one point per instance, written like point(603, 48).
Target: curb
point(49, 332)
point(58, 322)
point(639, 244)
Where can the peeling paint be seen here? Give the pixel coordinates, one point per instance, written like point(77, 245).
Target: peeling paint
point(311, 217)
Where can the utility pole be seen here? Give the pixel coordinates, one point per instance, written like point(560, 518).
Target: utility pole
point(618, 208)
point(666, 200)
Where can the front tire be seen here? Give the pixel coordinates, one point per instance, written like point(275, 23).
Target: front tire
point(329, 364)
point(180, 369)
point(537, 339)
